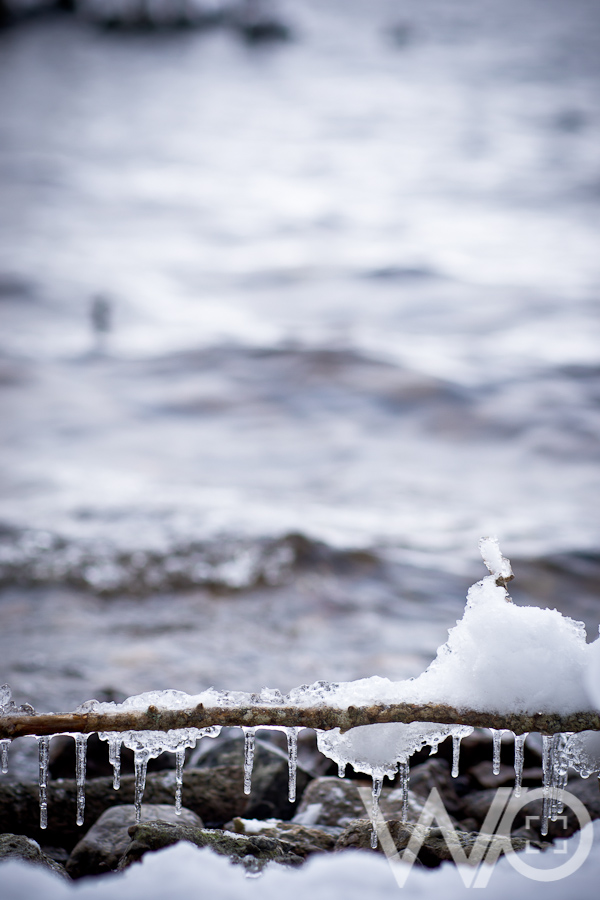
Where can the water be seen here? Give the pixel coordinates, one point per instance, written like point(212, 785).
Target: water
point(352, 284)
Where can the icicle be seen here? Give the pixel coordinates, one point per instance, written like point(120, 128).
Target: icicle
point(456, 739)
point(4, 745)
point(342, 769)
point(377, 785)
point(114, 757)
point(249, 738)
point(80, 767)
point(404, 770)
point(292, 743)
point(44, 752)
point(179, 761)
point(519, 757)
point(560, 769)
point(547, 774)
point(497, 744)
point(141, 758)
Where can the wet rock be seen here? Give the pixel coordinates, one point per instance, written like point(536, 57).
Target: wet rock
point(269, 795)
point(107, 840)
point(304, 839)
point(476, 805)
point(483, 775)
point(435, 773)
point(334, 802)
point(254, 852)
point(331, 801)
point(434, 849)
point(216, 795)
point(17, 846)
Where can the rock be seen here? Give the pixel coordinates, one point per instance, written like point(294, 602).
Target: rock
point(17, 846)
point(434, 849)
point(334, 802)
point(331, 801)
point(269, 796)
point(107, 840)
point(252, 851)
point(216, 795)
point(435, 773)
point(476, 805)
point(483, 775)
point(304, 839)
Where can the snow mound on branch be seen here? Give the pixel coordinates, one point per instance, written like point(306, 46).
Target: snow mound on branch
point(499, 657)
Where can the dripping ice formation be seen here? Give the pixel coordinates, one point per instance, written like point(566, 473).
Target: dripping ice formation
point(499, 658)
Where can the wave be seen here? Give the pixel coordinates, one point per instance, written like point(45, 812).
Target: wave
point(30, 557)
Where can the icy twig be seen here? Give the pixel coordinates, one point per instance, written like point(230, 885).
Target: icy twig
point(322, 717)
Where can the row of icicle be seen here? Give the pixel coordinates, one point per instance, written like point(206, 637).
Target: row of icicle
point(555, 764)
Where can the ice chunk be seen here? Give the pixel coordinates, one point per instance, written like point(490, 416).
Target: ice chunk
point(148, 745)
point(377, 749)
point(5, 697)
point(8, 707)
point(583, 752)
point(4, 747)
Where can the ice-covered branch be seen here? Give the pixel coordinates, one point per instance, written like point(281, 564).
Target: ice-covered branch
point(321, 717)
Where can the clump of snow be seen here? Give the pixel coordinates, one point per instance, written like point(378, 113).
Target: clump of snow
point(497, 564)
point(499, 657)
point(592, 674)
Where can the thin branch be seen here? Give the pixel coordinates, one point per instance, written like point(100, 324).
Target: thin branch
point(321, 717)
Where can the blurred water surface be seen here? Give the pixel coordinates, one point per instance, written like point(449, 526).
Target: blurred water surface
point(354, 287)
